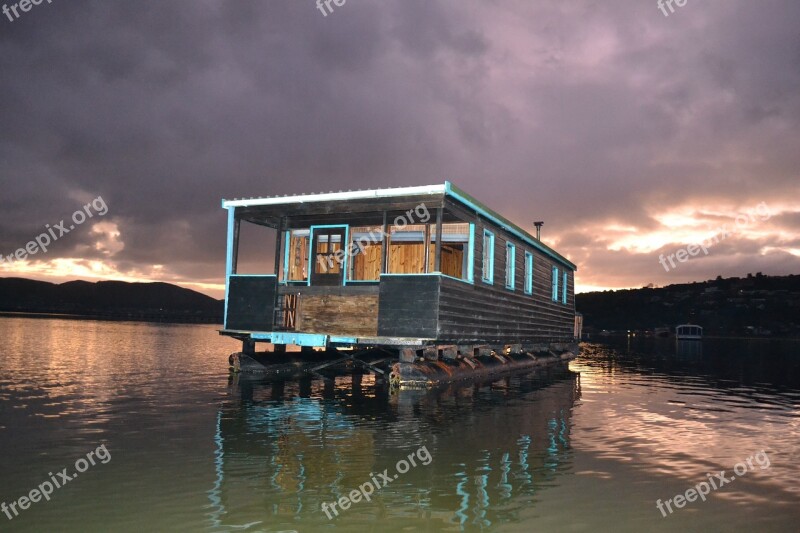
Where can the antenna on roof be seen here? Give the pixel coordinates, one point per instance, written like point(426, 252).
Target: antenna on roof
point(539, 224)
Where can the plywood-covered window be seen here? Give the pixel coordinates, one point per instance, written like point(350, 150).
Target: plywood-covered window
point(528, 273)
point(455, 250)
point(511, 263)
point(296, 261)
point(488, 257)
point(366, 248)
point(407, 250)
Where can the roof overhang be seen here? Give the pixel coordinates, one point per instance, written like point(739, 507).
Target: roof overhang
point(445, 189)
point(338, 196)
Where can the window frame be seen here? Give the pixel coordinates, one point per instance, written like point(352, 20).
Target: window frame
point(528, 286)
point(487, 274)
point(554, 283)
point(564, 288)
point(511, 265)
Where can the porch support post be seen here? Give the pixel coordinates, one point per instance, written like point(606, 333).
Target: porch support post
point(235, 248)
point(427, 248)
point(437, 267)
point(231, 256)
point(277, 318)
point(278, 240)
point(385, 247)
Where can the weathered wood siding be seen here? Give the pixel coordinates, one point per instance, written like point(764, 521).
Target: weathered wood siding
point(409, 306)
point(338, 314)
point(493, 313)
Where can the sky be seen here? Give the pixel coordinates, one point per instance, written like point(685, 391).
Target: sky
point(633, 135)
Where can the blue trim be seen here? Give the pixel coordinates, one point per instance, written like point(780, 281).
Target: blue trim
point(333, 339)
point(346, 249)
point(310, 254)
point(464, 198)
point(418, 274)
point(253, 276)
point(528, 289)
point(229, 262)
point(554, 282)
point(564, 289)
point(291, 337)
point(287, 240)
point(510, 246)
point(471, 259)
point(490, 278)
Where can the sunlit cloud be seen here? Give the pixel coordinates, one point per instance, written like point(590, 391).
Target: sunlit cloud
point(108, 238)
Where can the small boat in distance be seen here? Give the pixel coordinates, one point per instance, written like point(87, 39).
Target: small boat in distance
point(689, 332)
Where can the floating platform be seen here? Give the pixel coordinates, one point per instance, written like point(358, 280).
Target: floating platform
point(416, 368)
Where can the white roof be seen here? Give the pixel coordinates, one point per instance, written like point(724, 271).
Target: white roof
point(341, 195)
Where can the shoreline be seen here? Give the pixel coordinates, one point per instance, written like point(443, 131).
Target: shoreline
point(144, 317)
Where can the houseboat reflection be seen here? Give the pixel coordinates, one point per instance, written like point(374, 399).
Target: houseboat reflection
point(285, 448)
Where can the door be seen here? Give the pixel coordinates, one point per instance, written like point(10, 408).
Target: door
point(328, 255)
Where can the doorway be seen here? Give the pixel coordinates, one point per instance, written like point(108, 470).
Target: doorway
point(328, 255)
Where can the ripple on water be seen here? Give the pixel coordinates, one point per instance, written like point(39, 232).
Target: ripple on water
point(589, 447)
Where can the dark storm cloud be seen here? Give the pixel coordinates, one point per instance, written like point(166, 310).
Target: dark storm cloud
point(584, 114)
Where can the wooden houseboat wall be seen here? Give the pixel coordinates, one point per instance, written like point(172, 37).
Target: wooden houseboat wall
point(419, 282)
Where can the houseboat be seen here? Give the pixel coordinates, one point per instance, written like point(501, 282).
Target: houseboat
point(689, 332)
point(428, 277)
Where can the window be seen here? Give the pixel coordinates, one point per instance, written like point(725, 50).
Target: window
point(528, 273)
point(555, 284)
point(366, 246)
point(511, 254)
point(471, 255)
point(488, 257)
point(564, 289)
point(455, 250)
point(296, 258)
point(407, 249)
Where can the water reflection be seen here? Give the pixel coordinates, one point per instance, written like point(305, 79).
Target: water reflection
point(688, 348)
point(284, 448)
point(677, 415)
point(193, 451)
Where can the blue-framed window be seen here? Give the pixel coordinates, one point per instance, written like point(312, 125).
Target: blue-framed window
point(564, 288)
point(528, 273)
point(511, 263)
point(488, 257)
point(471, 255)
point(554, 281)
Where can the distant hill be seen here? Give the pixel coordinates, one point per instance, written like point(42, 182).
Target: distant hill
point(110, 299)
point(756, 305)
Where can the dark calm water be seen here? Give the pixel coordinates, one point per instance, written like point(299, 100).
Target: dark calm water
point(586, 447)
